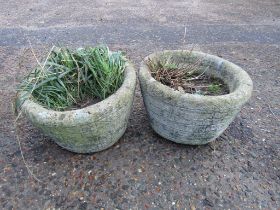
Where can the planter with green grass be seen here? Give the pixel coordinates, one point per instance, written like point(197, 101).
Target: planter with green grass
point(81, 98)
point(191, 97)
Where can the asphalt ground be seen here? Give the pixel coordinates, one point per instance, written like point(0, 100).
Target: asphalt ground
point(240, 170)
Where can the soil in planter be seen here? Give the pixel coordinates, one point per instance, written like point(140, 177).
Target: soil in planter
point(84, 103)
point(204, 85)
point(187, 80)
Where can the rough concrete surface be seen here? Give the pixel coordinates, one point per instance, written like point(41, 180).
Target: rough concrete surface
point(240, 170)
point(90, 129)
point(193, 119)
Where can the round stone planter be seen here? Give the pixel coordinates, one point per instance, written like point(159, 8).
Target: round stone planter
point(90, 129)
point(191, 118)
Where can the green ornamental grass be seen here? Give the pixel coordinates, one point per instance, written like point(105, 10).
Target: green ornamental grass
point(69, 77)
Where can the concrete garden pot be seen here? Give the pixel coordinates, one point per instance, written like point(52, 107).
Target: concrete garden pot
point(191, 118)
point(90, 129)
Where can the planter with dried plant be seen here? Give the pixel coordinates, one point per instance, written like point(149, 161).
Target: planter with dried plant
point(191, 97)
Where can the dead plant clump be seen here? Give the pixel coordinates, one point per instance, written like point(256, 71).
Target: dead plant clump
point(187, 79)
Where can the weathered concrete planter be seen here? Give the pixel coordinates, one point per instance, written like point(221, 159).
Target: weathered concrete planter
point(188, 118)
point(91, 129)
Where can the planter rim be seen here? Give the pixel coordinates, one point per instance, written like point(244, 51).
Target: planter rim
point(243, 90)
point(129, 73)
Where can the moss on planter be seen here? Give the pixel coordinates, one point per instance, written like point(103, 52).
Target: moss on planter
point(89, 129)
